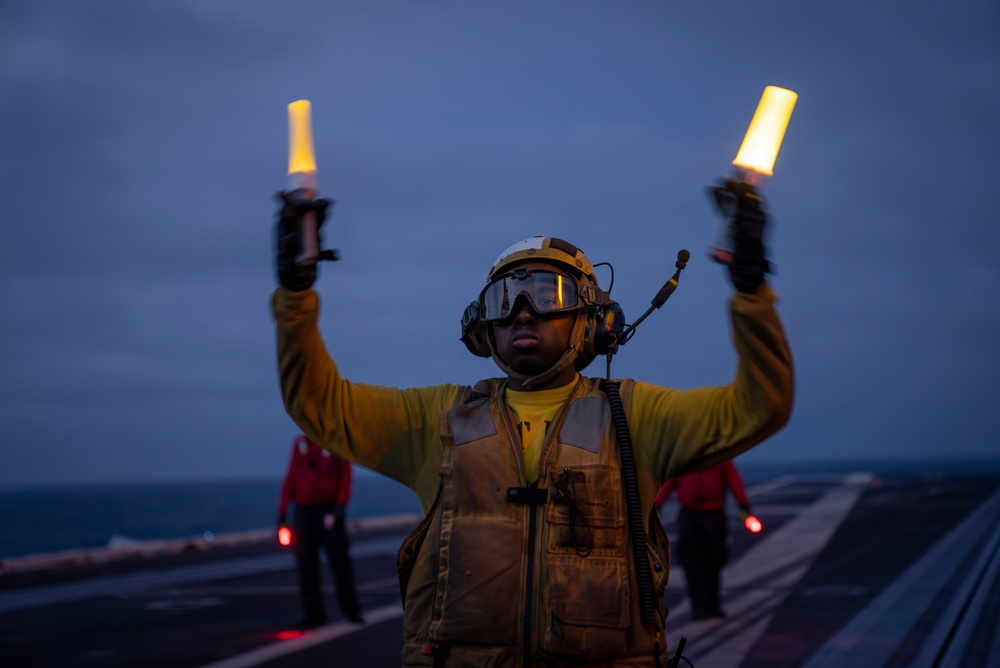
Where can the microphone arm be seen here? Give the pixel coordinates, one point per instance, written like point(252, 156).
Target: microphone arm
point(661, 297)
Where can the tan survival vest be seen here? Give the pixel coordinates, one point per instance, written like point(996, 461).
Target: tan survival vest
point(502, 574)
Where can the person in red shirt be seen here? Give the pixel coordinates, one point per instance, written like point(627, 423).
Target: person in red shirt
point(704, 533)
point(320, 486)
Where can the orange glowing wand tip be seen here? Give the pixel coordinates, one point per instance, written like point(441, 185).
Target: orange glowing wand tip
point(302, 178)
point(766, 132)
point(301, 156)
point(752, 524)
point(285, 536)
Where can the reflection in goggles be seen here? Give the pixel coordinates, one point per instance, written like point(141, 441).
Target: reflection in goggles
point(545, 291)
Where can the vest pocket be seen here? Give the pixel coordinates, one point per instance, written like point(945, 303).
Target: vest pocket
point(590, 603)
point(479, 581)
point(585, 512)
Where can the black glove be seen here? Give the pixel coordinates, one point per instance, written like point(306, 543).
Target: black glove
point(741, 204)
point(282, 521)
point(288, 242)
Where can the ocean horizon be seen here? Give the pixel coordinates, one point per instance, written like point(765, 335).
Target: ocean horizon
point(42, 520)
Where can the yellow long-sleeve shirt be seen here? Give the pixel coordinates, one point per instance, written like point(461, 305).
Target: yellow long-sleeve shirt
point(396, 431)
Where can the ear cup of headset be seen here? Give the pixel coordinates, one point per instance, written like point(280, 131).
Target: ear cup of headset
point(609, 321)
point(475, 332)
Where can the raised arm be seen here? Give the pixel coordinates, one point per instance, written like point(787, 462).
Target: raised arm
point(393, 431)
point(685, 430)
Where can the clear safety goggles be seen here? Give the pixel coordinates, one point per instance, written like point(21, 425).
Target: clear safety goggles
point(545, 291)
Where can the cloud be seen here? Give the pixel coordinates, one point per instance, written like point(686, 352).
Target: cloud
point(141, 144)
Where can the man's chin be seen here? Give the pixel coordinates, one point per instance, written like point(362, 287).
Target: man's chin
point(528, 367)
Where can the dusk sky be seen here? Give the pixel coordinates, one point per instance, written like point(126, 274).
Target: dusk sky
point(141, 144)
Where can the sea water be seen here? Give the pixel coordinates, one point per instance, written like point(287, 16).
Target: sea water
point(41, 520)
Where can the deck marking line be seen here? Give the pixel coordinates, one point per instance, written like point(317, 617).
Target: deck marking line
point(312, 638)
point(755, 585)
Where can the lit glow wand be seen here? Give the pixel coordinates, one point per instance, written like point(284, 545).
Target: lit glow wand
point(755, 160)
point(751, 522)
point(302, 181)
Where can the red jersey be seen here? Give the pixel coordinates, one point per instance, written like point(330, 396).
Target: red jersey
point(315, 477)
point(705, 490)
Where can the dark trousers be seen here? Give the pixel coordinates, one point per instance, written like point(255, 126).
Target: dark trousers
point(314, 531)
point(703, 549)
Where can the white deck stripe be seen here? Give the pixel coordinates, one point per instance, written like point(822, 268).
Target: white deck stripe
point(312, 638)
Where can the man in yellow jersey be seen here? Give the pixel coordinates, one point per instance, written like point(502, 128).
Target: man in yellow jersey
point(528, 554)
